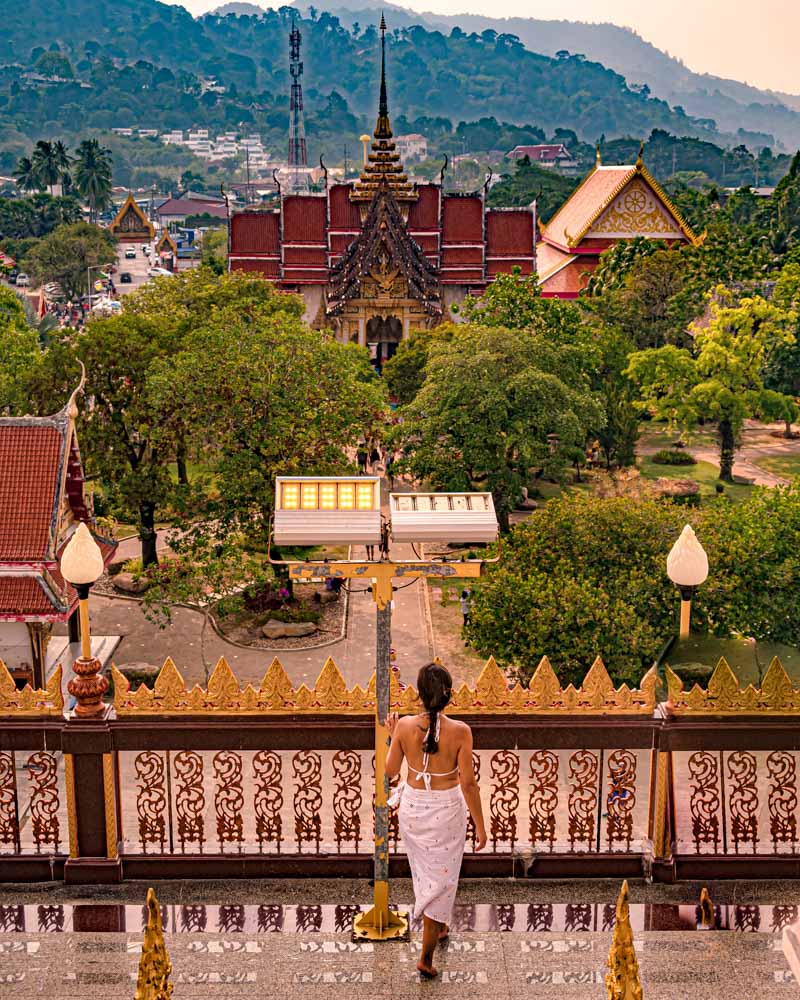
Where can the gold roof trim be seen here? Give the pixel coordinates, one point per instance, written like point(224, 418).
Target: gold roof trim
point(30, 702)
point(166, 238)
point(275, 695)
point(131, 204)
point(724, 696)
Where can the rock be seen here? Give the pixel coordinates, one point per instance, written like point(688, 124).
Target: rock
point(284, 630)
point(126, 583)
point(239, 634)
point(140, 672)
point(328, 597)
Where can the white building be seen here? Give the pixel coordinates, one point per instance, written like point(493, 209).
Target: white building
point(412, 146)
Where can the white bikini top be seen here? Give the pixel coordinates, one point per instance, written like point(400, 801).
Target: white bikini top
point(425, 775)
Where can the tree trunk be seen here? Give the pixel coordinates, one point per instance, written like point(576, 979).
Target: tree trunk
point(787, 433)
point(147, 534)
point(727, 448)
point(180, 459)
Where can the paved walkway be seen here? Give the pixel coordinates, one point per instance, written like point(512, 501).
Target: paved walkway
point(230, 940)
point(191, 647)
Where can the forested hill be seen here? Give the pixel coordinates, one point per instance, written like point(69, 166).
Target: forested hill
point(462, 76)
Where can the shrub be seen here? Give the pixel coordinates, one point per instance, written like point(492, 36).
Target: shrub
point(673, 456)
point(133, 566)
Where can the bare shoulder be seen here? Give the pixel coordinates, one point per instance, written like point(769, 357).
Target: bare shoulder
point(460, 729)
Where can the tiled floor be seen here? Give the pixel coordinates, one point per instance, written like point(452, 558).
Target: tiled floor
point(58, 947)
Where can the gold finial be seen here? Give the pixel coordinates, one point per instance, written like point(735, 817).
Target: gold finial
point(72, 405)
point(623, 981)
point(639, 158)
point(155, 967)
point(707, 920)
point(598, 158)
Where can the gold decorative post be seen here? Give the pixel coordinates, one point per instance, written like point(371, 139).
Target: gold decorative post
point(707, 920)
point(155, 967)
point(622, 980)
point(364, 140)
point(687, 567)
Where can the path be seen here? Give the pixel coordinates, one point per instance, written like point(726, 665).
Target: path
point(757, 442)
point(144, 642)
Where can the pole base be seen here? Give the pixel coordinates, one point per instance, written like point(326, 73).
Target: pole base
point(374, 925)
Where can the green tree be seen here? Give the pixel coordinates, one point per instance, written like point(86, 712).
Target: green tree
point(66, 253)
point(215, 249)
point(93, 175)
point(19, 353)
point(496, 406)
point(50, 161)
point(26, 175)
point(722, 379)
point(404, 372)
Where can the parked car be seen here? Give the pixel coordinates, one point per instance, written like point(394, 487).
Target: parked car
point(13, 274)
point(146, 249)
point(159, 272)
point(126, 278)
point(130, 254)
point(22, 280)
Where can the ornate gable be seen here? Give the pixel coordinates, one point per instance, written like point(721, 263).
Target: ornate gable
point(166, 242)
point(131, 223)
point(384, 262)
point(636, 211)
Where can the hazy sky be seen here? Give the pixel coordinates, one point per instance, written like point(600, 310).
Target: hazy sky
point(754, 42)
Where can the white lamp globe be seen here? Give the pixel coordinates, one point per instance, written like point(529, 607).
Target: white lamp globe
point(82, 560)
point(687, 562)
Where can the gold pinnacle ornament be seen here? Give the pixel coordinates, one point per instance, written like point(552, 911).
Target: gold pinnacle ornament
point(155, 967)
point(622, 980)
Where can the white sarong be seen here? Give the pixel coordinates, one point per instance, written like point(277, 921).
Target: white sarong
point(433, 825)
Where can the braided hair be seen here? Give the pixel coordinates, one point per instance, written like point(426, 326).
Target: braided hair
point(435, 686)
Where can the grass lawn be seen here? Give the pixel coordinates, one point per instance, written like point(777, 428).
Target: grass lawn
point(787, 466)
point(658, 435)
point(706, 474)
point(463, 663)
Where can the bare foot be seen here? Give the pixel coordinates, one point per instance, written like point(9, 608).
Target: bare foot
point(426, 970)
point(444, 933)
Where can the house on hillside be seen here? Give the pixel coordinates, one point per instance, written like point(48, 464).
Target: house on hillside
point(554, 156)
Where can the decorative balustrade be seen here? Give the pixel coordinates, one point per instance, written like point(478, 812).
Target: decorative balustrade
point(268, 778)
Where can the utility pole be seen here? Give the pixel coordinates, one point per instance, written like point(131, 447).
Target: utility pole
point(248, 193)
point(297, 135)
point(345, 161)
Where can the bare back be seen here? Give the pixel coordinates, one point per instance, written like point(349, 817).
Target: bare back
point(443, 766)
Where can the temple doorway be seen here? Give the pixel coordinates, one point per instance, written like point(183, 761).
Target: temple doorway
point(384, 333)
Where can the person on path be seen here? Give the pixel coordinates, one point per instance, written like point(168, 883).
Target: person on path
point(466, 606)
point(433, 804)
point(361, 457)
point(374, 458)
point(388, 466)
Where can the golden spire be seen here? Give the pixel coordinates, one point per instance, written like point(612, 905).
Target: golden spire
point(155, 967)
point(622, 981)
point(640, 157)
point(383, 168)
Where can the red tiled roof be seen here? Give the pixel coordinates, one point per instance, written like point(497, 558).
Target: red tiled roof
point(29, 465)
point(543, 151)
point(509, 233)
point(424, 213)
point(586, 203)
point(188, 206)
point(24, 595)
point(343, 212)
point(304, 219)
point(567, 282)
point(261, 265)
point(255, 233)
point(462, 219)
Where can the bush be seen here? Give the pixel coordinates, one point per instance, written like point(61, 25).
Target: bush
point(133, 566)
point(587, 577)
point(673, 456)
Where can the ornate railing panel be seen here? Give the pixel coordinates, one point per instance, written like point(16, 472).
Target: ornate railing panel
point(33, 803)
point(311, 802)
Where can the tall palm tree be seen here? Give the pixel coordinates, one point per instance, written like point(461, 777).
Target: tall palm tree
point(46, 163)
point(92, 175)
point(63, 160)
point(26, 176)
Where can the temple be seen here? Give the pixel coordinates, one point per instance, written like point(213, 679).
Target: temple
point(379, 256)
point(42, 501)
point(131, 223)
point(613, 203)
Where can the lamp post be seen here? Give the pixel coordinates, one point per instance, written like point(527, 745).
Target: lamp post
point(319, 510)
point(687, 567)
point(82, 565)
point(364, 140)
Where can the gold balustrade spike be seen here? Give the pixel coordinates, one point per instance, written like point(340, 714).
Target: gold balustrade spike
point(155, 967)
point(622, 980)
point(493, 694)
point(724, 696)
point(31, 702)
point(708, 919)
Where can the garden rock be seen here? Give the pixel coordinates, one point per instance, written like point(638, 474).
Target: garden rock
point(285, 630)
point(128, 584)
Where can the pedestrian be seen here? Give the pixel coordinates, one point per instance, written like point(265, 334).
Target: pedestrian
point(433, 805)
point(361, 457)
point(389, 468)
point(370, 552)
point(374, 458)
point(466, 606)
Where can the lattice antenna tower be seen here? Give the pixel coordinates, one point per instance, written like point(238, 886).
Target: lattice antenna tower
point(297, 131)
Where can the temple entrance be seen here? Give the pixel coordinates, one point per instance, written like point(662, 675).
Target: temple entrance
point(384, 333)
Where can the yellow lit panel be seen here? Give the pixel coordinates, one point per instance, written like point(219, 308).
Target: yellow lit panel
point(347, 496)
point(290, 496)
point(308, 496)
point(327, 496)
point(365, 496)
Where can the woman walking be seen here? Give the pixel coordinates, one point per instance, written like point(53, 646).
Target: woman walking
point(434, 804)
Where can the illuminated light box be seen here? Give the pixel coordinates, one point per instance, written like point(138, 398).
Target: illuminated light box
point(316, 510)
point(442, 517)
